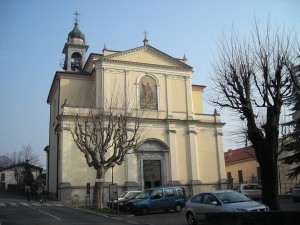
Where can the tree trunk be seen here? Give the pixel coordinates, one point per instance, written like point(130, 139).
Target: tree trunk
point(98, 189)
point(269, 177)
point(267, 160)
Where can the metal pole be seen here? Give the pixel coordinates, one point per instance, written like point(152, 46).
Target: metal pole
point(112, 175)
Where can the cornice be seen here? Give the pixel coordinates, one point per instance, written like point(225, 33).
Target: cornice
point(146, 65)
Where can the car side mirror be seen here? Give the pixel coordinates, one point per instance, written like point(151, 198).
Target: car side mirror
point(214, 203)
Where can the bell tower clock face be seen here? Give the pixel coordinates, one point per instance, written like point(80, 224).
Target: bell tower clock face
point(76, 62)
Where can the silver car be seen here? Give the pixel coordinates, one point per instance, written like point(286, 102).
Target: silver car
point(253, 191)
point(219, 201)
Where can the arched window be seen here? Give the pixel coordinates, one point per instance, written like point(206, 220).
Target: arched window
point(76, 64)
point(148, 93)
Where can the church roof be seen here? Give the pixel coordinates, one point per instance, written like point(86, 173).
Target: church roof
point(239, 154)
point(145, 55)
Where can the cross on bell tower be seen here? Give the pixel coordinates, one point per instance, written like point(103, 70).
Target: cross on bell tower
point(76, 16)
point(75, 48)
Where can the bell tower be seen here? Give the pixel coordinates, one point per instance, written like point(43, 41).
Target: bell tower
point(75, 49)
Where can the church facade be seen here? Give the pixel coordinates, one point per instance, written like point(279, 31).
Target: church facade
point(183, 146)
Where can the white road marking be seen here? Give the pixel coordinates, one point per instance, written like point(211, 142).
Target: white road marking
point(49, 215)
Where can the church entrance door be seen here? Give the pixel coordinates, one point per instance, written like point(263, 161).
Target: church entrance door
point(152, 173)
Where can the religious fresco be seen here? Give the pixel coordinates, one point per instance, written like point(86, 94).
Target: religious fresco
point(148, 93)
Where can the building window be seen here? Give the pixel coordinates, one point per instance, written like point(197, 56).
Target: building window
point(240, 173)
point(2, 177)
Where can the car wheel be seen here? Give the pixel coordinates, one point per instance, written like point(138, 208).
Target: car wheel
point(144, 211)
point(178, 208)
point(191, 219)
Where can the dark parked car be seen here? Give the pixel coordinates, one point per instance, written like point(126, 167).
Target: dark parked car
point(122, 199)
point(219, 201)
point(296, 192)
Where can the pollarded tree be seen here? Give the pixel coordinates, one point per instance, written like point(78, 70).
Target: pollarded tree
point(105, 135)
point(253, 78)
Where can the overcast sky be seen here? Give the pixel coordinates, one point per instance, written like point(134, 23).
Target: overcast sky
point(33, 34)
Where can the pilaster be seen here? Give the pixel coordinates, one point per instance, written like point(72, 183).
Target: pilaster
point(131, 171)
point(189, 99)
point(168, 96)
point(194, 166)
point(171, 132)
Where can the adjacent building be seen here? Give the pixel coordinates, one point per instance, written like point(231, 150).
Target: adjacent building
point(7, 174)
point(242, 167)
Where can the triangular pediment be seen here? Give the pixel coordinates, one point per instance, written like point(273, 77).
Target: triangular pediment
point(147, 55)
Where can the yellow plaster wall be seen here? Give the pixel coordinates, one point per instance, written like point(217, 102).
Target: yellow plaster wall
point(178, 95)
point(119, 176)
point(77, 92)
point(207, 158)
point(197, 101)
point(75, 168)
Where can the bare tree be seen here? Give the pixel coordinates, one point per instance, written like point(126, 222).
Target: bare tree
point(4, 161)
point(253, 77)
point(105, 135)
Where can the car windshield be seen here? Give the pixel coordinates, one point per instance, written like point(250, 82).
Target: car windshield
point(144, 195)
point(122, 195)
point(232, 197)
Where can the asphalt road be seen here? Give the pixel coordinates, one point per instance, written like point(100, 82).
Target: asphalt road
point(16, 210)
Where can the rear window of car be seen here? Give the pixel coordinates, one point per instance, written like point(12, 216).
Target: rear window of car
point(169, 192)
point(179, 191)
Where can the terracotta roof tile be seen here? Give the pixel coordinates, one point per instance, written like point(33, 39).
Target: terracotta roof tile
point(239, 154)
